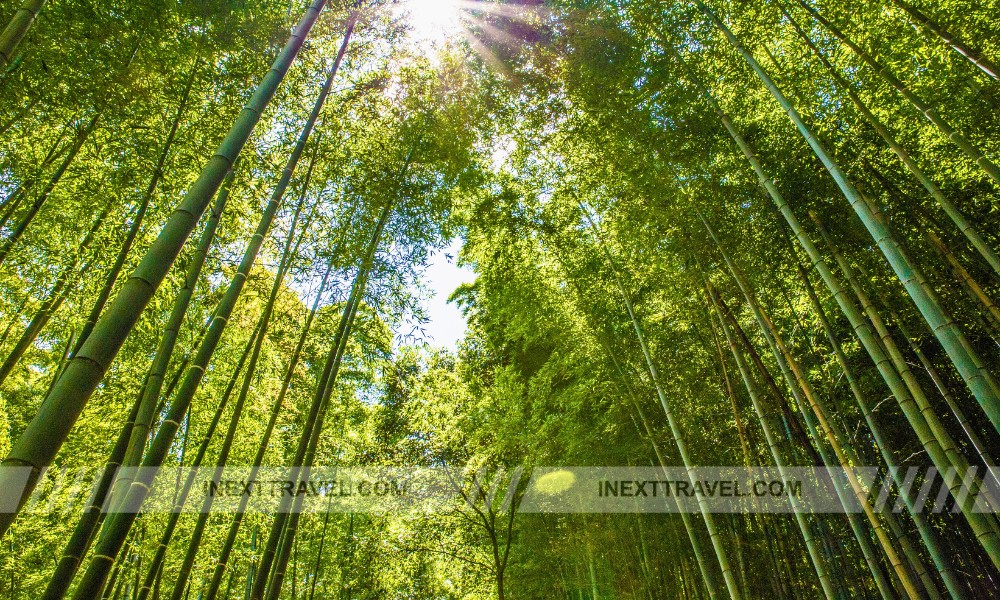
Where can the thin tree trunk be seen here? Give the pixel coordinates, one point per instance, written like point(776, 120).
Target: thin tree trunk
point(82, 535)
point(708, 577)
point(319, 553)
point(720, 550)
point(963, 275)
point(980, 523)
point(45, 434)
point(796, 380)
point(953, 212)
point(740, 427)
point(272, 562)
point(223, 558)
point(791, 422)
point(150, 392)
point(29, 216)
point(116, 529)
point(50, 305)
point(985, 529)
point(946, 130)
point(290, 250)
point(814, 553)
point(99, 504)
point(156, 565)
point(764, 373)
point(930, 538)
point(952, 41)
point(309, 438)
point(942, 388)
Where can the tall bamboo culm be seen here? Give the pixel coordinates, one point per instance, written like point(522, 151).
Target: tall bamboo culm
point(979, 380)
point(45, 434)
point(17, 28)
point(860, 327)
point(954, 213)
point(952, 41)
point(718, 543)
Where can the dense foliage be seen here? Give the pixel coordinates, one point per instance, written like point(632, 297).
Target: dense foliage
point(711, 232)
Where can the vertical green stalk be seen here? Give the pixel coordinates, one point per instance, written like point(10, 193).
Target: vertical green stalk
point(45, 434)
point(97, 505)
point(930, 538)
point(755, 396)
point(222, 561)
point(963, 275)
point(181, 495)
point(791, 423)
point(968, 364)
point(288, 516)
point(708, 577)
point(120, 523)
point(318, 563)
point(309, 438)
point(720, 549)
point(932, 115)
point(983, 525)
point(150, 392)
point(942, 387)
point(263, 324)
point(889, 344)
point(859, 325)
point(699, 552)
point(796, 380)
point(740, 427)
point(953, 212)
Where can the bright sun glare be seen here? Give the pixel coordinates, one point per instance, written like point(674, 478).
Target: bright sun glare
point(433, 21)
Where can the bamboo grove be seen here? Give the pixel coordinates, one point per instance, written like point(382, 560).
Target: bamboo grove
point(706, 232)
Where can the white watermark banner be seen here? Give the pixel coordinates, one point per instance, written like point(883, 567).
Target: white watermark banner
point(541, 490)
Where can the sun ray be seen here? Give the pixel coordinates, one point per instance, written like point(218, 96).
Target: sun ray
point(494, 32)
point(503, 10)
point(488, 56)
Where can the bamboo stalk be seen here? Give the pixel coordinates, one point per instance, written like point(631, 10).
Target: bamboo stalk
point(309, 439)
point(953, 212)
point(17, 28)
point(963, 275)
point(720, 550)
point(930, 538)
point(818, 563)
point(946, 129)
point(860, 327)
point(951, 40)
point(45, 434)
point(796, 381)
